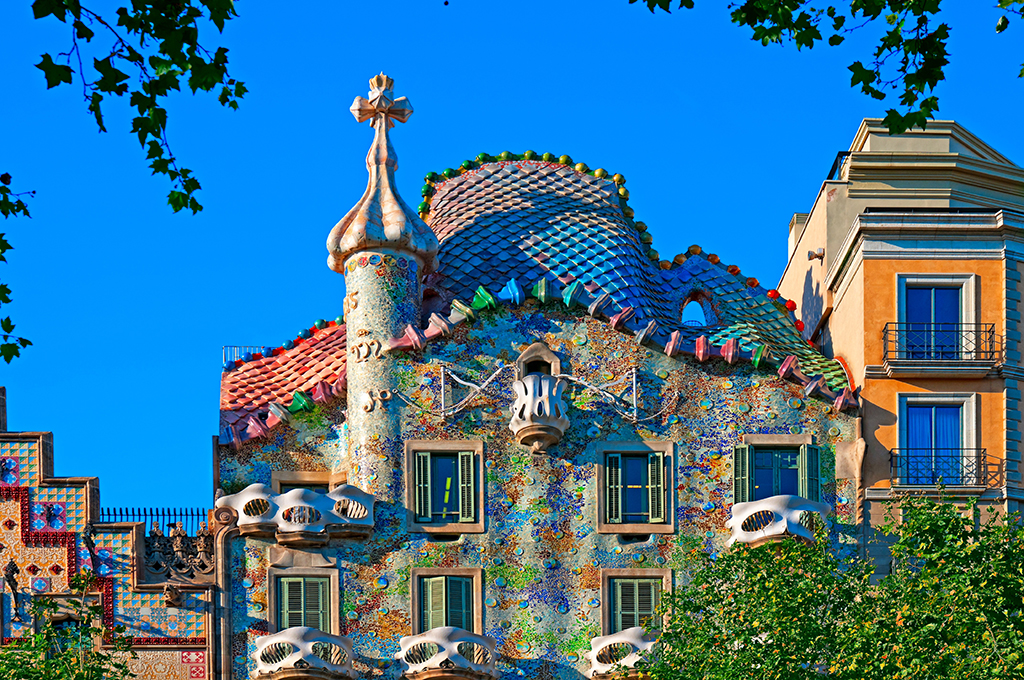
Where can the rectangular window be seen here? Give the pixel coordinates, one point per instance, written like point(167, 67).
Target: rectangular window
point(934, 444)
point(446, 601)
point(933, 318)
point(634, 602)
point(635, 488)
point(445, 485)
point(319, 488)
point(304, 601)
point(765, 471)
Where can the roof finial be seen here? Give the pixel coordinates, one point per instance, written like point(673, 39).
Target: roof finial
point(381, 219)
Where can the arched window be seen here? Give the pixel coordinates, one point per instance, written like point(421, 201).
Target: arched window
point(693, 314)
point(537, 358)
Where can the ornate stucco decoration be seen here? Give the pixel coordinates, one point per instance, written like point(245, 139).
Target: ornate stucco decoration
point(381, 219)
point(447, 652)
point(773, 519)
point(176, 556)
point(303, 652)
point(618, 651)
point(302, 517)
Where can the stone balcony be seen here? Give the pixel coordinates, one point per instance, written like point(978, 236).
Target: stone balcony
point(302, 653)
point(447, 653)
point(775, 519)
point(616, 655)
point(539, 413)
point(302, 517)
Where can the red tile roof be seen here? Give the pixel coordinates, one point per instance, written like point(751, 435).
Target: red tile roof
point(249, 389)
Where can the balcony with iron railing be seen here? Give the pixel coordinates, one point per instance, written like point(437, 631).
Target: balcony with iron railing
point(967, 350)
point(951, 467)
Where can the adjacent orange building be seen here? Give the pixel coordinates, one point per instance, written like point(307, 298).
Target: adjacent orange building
point(908, 267)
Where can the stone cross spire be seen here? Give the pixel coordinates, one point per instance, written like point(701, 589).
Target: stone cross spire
point(381, 220)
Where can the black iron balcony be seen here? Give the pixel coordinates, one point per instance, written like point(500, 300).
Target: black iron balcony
point(931, 467)
point(936, 349)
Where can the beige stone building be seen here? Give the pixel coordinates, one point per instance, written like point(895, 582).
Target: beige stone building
point(908, 268)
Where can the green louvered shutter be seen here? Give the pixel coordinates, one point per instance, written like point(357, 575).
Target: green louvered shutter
point(810, 472)
point(467, 487)
point(423, 486)
point(315, 604)
point(460, 603)
point(656, 487)
point(613, 491)
point(625, 604)
point(647, 595)
point(432, 602)
point(290, 603)
point(743, 473)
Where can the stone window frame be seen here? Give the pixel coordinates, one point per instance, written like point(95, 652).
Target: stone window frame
point(416, 597)
point(538, 351)
point(606, 590)
point(602, 449)
point(444, 446)
point(967, 283)
point(333, 576)
point(331, 479)
point(970, 433)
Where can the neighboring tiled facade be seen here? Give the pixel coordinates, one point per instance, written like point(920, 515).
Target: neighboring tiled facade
point(927, 213)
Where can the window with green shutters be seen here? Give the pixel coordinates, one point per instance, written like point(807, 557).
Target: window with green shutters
point(303, 601)
point(764, 471)
point(446, 601)
point(445, 487)
point(634, 602)
point(635, 488)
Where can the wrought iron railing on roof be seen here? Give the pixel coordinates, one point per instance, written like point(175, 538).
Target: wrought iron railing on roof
point(236, 352)
point(940, 342)
point(837, 164)
point(166, 518)
point(930, 467)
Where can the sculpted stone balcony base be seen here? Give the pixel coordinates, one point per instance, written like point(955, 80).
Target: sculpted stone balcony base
point(303, 653)
point(539, 412)
point(774, 519)
point(616, 655)
point(302, 517)
point(447, 653)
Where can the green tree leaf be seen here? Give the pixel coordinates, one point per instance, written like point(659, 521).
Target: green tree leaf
point(55, 73)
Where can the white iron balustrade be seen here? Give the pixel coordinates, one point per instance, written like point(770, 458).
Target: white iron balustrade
point(303, 652)
point(617, 651)
point(774, 518)
point(302, 516)
point(539, 413)
point(447, 652)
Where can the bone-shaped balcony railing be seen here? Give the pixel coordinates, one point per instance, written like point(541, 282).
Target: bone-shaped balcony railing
point(617, 651)
point(448, 648)
point(774, 518)
point(302, 516)
point(314, 652)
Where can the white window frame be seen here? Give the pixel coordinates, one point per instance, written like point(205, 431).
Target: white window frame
point(967, 283)
point(967, 401)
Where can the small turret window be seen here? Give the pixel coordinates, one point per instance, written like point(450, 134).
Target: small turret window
point(538, 359)
point(537, 366)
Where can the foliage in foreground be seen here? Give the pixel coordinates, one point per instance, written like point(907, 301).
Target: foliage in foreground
point(66, 646)
point(951, 608)
point(908, 59)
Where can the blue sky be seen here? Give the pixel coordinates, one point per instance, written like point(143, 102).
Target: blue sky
point(128, 305)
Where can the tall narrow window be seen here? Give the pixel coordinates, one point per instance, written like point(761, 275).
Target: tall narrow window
point(445, 487)
point(933, 318)
point(934, 444)
point(634, 602)
point(303, 601)
point(446, 601)
point(762, 472)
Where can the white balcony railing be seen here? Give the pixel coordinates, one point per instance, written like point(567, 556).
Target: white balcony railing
point(302, 516)
point(465, 654)
point(311, 652)
point(618, 651)
point(775, 518)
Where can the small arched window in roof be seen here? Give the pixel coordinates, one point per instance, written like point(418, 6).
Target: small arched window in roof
point(693, 314)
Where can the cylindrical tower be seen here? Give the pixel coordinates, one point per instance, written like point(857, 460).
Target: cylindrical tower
point(384, 250)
